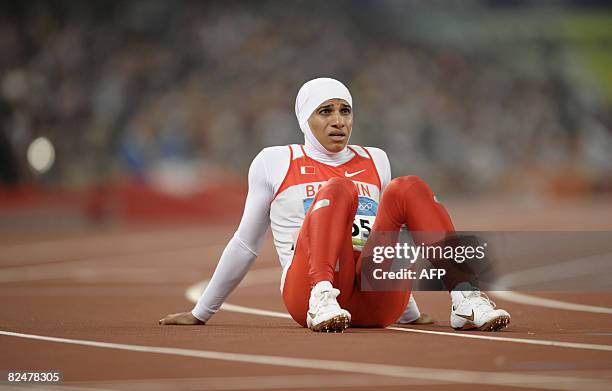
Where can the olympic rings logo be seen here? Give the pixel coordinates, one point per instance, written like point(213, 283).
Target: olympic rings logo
point(365, 206)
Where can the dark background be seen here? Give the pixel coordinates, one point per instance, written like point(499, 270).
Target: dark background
point(476, 97)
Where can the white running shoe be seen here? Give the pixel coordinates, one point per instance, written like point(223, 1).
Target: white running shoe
point(474, 310)
point(325, 314)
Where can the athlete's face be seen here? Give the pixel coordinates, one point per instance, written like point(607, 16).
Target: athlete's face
point(332, 123)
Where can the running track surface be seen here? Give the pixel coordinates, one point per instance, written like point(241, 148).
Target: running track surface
point(99, 294)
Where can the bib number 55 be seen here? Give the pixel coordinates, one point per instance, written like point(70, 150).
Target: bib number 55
point(362, 227)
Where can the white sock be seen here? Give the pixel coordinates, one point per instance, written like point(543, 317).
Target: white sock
point(411, 313)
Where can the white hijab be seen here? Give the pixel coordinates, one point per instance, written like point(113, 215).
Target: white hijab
point(310, 96)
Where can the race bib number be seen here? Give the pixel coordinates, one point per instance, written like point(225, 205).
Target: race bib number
point(364, 221)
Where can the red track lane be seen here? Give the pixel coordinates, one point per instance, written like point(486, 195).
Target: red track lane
point(113, 286)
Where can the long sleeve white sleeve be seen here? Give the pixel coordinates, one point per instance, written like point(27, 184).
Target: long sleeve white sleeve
point(243, 248)
point(381, 160)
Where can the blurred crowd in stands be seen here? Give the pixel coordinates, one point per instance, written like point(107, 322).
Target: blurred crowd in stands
point(120, 88)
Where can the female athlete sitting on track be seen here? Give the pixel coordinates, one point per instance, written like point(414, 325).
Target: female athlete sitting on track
point(313, 193)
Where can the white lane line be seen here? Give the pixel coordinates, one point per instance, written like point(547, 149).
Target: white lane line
point(47, 387)
point(115, 273)
point(60, 269)
point(445, 375)
point(596, 264)
point(264, 382)
point(131, 240)
point(599, 263)
point(253, 278)
point(254, 311)
point(91, 269)
point(106, 290)
point(263, 276)
point(523, 298)
point(561, 344)
point(126, 244)
point(574, 345)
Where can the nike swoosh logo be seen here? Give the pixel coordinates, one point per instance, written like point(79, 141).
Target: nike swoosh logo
point(470, 318)
point(351, 174)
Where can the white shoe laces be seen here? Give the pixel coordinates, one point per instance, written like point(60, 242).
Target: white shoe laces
point(484, 299)
point(328, 299)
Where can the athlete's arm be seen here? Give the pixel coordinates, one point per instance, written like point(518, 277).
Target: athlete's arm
point(381, 161)
point(241, 250)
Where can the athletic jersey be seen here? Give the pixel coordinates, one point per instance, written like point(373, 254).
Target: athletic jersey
point(272, 175)
point(304, 178)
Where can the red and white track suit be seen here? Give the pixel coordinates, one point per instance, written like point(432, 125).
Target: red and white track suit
point(283, 184)
point(266, 201)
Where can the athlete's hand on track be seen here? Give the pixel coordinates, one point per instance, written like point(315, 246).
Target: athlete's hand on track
point(181, 319)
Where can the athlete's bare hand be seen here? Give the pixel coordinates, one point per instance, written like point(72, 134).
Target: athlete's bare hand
point(181, 319)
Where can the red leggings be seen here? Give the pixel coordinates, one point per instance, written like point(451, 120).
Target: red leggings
point(325, 237)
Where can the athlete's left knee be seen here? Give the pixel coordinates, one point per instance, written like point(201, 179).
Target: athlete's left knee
point(405, 184)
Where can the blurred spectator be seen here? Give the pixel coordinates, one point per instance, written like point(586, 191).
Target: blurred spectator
point(459, 100)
